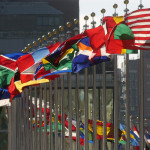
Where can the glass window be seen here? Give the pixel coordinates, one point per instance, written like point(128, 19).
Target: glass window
point(39, 21)
point(45, 21)
point(51, 20)
point(57, 21)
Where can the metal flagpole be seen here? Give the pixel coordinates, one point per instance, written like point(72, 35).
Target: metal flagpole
point(95, 142)
point(86, 144)
point(69, 33)
point(31, 119)
point(56, 112)
point(61, 36)
point(141, 100)
point(24, 119)
point(127, 103)
point(104, 101)
point(76, 31)
point(116, 103)
point(56, 98)
point(116, 100)
point(51, 142)
point(9, 128)
point(127, 119)
point(141, 94)
point(35, 111)
point(104, 108)
point(40, 118)
point(45, 116)
point(27, 119)
point(86, 108)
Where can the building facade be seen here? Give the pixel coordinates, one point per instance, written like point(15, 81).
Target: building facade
point(134, 70)
point(23, 22)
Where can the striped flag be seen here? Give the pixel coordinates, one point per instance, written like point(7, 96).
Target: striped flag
point(136, 132)
point(147, 138)
point(139, 23)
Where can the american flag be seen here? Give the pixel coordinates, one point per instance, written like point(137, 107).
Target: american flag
point(139, 23)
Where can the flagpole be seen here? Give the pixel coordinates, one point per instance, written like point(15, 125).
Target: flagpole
point(116, 100)
point(56, 99)
point(94, 109)
point(141, 94)
point(61, 39)
point(69, 34)
point(9, 128)
point(86, 144)
point(127, 119)
point(76, 32)
point(141, 100)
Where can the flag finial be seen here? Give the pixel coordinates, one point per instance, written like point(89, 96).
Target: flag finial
point(115, 6)
point(126, 2)
point(141, 5)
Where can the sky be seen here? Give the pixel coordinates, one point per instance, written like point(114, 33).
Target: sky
point(89, 6)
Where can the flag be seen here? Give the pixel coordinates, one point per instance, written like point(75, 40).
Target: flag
point(28, 64)
point(109, 128)
point(8, 68)
point(64, 64)
point(4, 102)
point(81, 131)
point(67, 133)
point(134, 140)
point(67, 45)
point(48, 127)
point(135, 130)
point(16, 86)
point(147, 138)
point(60, 60)
point(139, 22)
point(4, 94)
point(82, 135)
point(42, 73)
point(119, 146)
point(97, 37)
point(85, 56)
point(119, 36)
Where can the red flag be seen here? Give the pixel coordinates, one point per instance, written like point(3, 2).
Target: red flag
point(118, 36)
point(97, 37)
point(12, 89)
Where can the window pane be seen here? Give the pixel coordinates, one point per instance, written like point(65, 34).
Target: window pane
point(39, 21)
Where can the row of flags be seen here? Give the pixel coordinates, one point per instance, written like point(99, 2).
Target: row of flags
point(117, 35)
point(134, 134)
